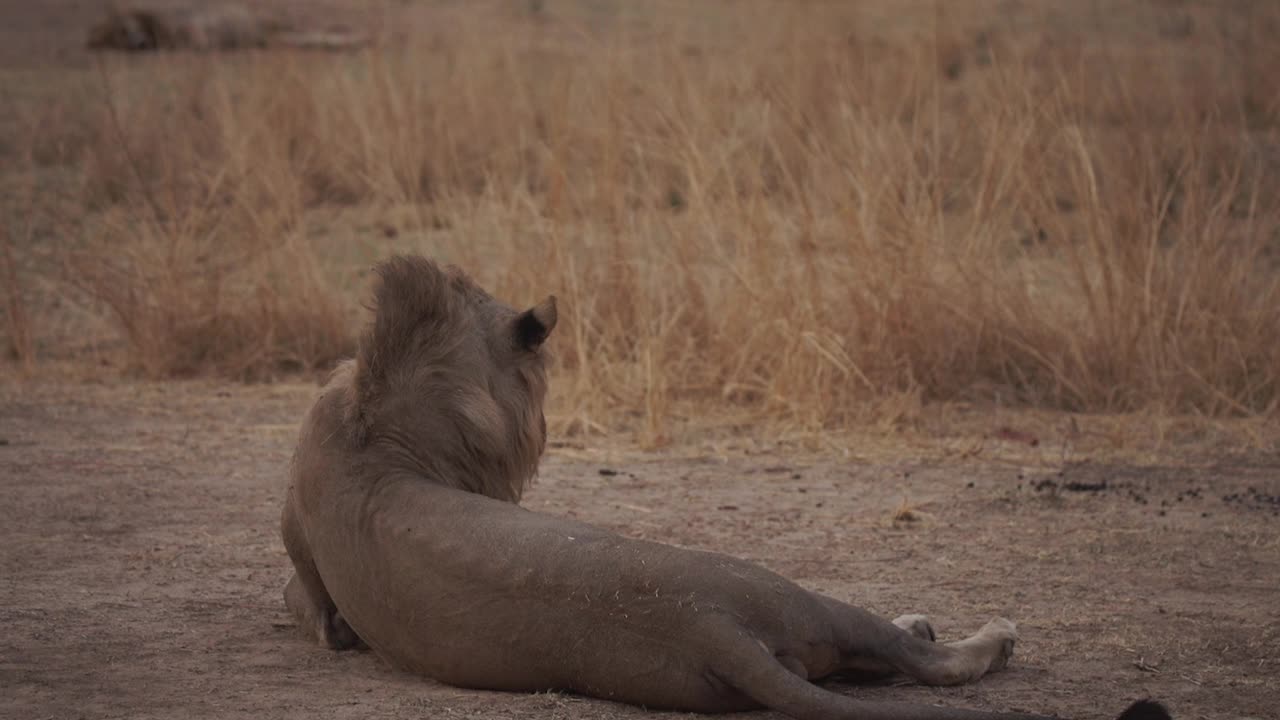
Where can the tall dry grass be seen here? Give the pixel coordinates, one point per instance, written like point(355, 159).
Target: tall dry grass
point(759, 211)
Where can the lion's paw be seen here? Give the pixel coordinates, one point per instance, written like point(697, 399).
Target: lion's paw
point(917, 625)
point(338, 635)
point(1003, 635)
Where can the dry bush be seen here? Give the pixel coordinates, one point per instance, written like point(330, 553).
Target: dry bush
point(809, 214)
point(197, 249)
point(192, 299)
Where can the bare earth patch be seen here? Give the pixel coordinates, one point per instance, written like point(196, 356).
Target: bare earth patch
point(142, 567)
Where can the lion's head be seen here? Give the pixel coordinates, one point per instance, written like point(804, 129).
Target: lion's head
point(451, 380)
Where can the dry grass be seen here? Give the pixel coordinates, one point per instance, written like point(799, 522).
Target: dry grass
point(812, 214)
point(17, 321)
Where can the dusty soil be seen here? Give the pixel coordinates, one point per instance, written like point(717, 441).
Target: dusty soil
point(142, 569)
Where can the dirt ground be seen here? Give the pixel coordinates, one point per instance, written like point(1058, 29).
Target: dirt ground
point(142, 569)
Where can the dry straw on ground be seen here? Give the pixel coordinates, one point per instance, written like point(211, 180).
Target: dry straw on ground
point(811, 213)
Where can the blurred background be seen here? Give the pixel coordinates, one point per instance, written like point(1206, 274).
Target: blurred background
point(808, 216)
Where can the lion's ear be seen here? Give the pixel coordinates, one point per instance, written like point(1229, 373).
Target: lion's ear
point(535, 324)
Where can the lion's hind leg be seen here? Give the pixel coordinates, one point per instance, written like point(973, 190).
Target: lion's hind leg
point(305, 594)
point(951, 663)
point(762, 676)
point(870, 644)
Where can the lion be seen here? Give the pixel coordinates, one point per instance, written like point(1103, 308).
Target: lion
point(207, 27)
point(402, 522)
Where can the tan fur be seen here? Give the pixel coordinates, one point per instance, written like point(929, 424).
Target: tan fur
point(206, 27)
point(425, 367)
point(402, 524)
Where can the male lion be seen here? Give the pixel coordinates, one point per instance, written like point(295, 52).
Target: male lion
point(402, 524)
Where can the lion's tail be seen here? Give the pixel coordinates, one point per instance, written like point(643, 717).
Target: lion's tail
point(757, 674)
